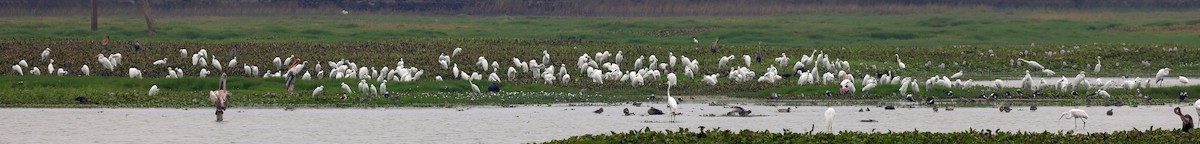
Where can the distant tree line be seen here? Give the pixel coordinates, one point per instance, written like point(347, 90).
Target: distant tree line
point(550, 7)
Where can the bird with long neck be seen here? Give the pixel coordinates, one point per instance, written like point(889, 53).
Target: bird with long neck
point(1075, 114)
point(220, 99)
point(1186, 119)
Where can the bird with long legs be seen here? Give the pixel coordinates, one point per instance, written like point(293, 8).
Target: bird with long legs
point(220, 99)
point(1076, 115)
point(1186, 119)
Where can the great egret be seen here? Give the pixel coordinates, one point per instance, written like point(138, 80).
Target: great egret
point(153, 89)
point(316, 91)
point(1158, 78)
point(1033, 64)
point(902, 66)
point(135, 73)
point(829, 113)
point(1186, 119)
point(1048, 72)
point(671, 103)
point(1097, 65)
point(1075, 114)
point(956, 75)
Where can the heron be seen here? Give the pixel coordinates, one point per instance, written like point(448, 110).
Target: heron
point(153, 89)
point(1075, 114)
point(671, 103)
point(829, 113)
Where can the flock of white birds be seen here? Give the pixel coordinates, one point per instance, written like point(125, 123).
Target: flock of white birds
point(815, 68)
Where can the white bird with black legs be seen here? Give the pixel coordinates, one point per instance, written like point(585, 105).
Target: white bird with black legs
point(1158, 77)
point(1097, 65)
point(1076, 114)
point(829, 113)
point(901, 63)
point(153, 90)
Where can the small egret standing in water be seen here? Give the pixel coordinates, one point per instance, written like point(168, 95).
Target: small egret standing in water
point(1075, 114)
point(829, 113)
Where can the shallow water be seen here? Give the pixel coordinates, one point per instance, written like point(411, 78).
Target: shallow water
point(515, 125)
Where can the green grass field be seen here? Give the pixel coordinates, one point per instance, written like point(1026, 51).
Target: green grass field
point(1013, 28)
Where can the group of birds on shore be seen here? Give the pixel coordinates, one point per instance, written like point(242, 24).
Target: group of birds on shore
point(599, 68)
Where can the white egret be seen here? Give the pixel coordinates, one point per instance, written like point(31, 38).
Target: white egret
point(153, 89)
point(474, 88)
point(829, 113)
point(902, 66)
point(135, 73)
point(1158, 78)
point(318, 90)
point(671, 103)
point(1097, 65)
point(344, 12)
point(1075, 114)
point(45, 54)
point(956, 75)
point(1183, 80)
point(278, 63)
point(1048, 72)
point(1033, 64)
point(456, 51)
point(346, 89)
point(17, 68)
point(23, 63)
point(160, 62)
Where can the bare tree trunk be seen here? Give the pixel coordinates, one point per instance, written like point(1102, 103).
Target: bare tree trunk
point(149, 20)
point(94, 26)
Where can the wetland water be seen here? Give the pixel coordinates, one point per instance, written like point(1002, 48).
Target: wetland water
point(516, 125)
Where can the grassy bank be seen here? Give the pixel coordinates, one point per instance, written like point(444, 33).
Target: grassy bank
point(973, 136)
point(44, 91)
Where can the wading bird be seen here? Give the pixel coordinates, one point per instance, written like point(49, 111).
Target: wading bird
point(1075, 114)
point(220, 99)
point(829, 113)
point(1186, 119)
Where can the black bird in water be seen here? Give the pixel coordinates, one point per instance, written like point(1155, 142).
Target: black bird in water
point(1005, 109)
point(787, 110)
point(1033, 108)
point(889, 107)
point(626, 111)
point(654, 111)
point(1186, 119)
point(1109, 113)
point(599, 111)
point(739, 111)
